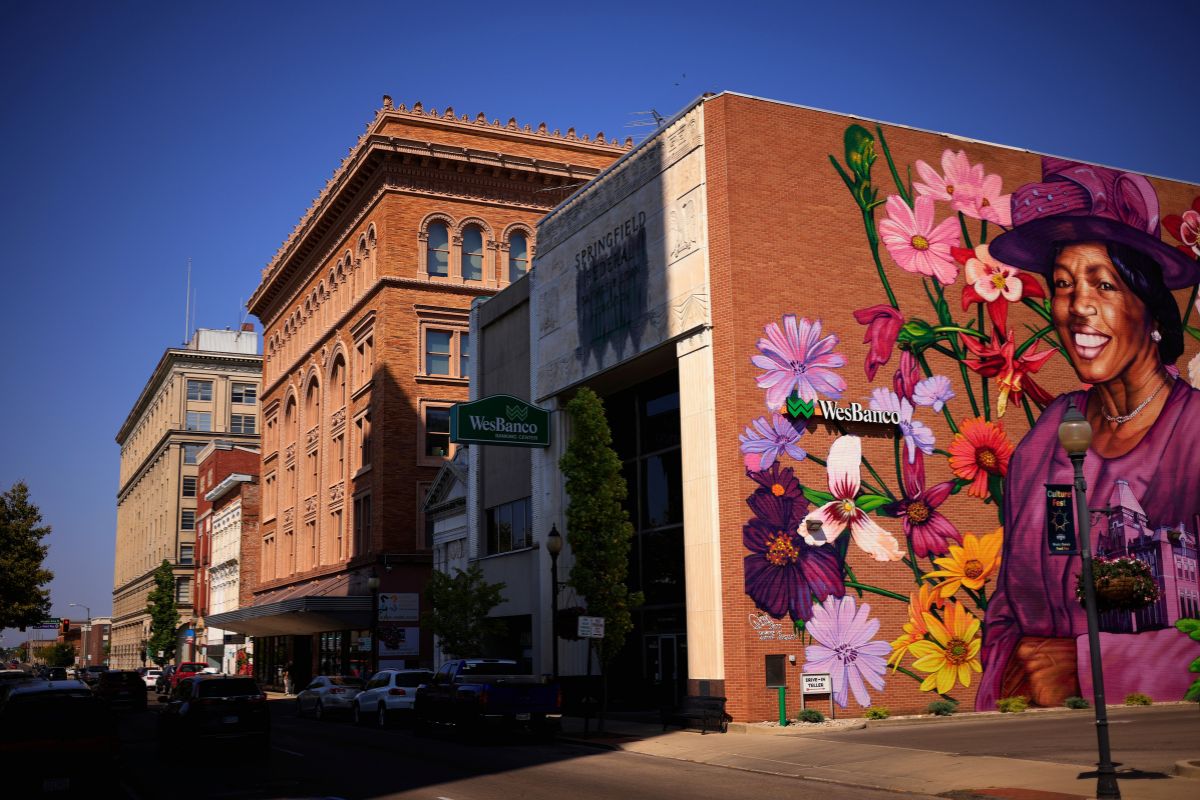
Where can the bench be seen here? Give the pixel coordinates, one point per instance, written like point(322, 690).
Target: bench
point(702, 709)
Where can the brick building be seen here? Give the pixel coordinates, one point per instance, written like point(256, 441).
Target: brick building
point(804, 367)
point(365, 314)
point(227, 542)
point(205, 390)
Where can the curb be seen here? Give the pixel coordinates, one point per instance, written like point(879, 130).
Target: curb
point(795, 729)
point(1188, 768)
point(975, 716)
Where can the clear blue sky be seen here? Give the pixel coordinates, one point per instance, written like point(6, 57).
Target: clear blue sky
point(134, 136)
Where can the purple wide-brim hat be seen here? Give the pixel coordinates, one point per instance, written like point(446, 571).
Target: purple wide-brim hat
point(1085, 203)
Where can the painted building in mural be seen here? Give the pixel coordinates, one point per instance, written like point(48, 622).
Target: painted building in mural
point(835, 354)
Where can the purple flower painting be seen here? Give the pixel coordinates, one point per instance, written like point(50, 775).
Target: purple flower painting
point(764, 440)
point(784, 576)
point(797, 358)
point(917, 435)
point(845, 649)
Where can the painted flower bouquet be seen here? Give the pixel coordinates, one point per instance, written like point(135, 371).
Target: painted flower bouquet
point(1122, 584)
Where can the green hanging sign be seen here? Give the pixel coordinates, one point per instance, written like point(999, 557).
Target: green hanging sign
point(500, 419)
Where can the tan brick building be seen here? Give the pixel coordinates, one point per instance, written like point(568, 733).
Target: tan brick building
point(739, 301)
point(197, 393)
point(365, 314)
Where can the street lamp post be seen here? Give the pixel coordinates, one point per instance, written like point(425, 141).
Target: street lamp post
point(1075, 435)
point(87, 633)
point(373, 586)
point(554, 545)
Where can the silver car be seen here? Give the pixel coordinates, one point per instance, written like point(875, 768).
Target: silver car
point(388, 695)
point(328, 694)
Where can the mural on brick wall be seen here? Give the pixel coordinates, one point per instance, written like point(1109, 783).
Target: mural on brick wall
point(1071, 267)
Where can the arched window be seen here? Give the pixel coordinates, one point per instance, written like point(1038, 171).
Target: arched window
point(439, 250)
point(472, 254)
point(518, 256)
point(338, 382)
point(312, 403)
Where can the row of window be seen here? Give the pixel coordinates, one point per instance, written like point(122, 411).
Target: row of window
point(201, 421)
point(241, 393)
point(471, 253)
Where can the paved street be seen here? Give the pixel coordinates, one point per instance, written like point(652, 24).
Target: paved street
point(336, 759)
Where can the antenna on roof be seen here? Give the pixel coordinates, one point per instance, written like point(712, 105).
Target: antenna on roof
point(659, 120)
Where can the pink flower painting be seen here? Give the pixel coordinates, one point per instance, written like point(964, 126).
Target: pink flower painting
point(917, 245)
point(797, 358)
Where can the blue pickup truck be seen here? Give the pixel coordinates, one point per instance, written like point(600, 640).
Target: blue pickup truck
point(475, 693)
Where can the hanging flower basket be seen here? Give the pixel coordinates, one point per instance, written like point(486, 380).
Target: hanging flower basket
point(1122, 584)
point(568, 622)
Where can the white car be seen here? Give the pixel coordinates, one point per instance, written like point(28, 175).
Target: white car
point(328, 694)
point(390, 693)
point(151, 677)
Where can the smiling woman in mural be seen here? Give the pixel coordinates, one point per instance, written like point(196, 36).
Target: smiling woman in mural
point(1093, 233)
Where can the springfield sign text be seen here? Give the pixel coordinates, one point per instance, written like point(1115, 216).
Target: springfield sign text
point(500, 419)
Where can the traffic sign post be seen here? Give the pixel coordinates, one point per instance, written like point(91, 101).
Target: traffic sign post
point(817, 683)
point(591, 628)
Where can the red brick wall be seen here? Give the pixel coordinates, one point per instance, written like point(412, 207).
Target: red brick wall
point(808, 255)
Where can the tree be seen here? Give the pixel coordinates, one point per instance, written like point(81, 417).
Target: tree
point(598, 527)
point(164, 616)
point(24, 600)
point(458, 611)
point(59, 654)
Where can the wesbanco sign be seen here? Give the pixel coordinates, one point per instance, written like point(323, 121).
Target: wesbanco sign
point(832, 410)
point(500, 419)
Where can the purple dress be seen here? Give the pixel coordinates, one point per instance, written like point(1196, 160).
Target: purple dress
point(1035, 592)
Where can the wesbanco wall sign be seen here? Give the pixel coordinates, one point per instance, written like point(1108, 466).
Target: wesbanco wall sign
point(500, 419)
point(836, 412)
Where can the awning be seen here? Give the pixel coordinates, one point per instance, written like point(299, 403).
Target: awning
point(299, 610)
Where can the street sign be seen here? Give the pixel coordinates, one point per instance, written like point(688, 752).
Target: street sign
point(591, 628)
point(500, 419)
point(816, 683)
point(1060, 519)
point(46, 626)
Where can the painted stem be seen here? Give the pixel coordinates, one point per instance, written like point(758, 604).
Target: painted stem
point(876, 590)
point(962, 223)
point(902, 187)
point(983, 387)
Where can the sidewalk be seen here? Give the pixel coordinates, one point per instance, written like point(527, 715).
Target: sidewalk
point(801, 753)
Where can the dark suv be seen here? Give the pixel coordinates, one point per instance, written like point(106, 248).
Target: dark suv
point(57, 737)
point(121, 689)
point(92, 674)
point(214, 708)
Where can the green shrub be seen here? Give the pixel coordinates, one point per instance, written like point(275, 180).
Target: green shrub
point(1012, 705)
point(942, 708)
point(811, 715)
point(1077, 702)
point(878, 712)
point(1138, 699)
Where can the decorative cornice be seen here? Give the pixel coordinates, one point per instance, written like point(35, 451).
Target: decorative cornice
point(371, 140)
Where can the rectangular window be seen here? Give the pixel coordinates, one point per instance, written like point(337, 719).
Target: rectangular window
point(199, 421)
point(269, 500)
point(241, 423)
point(339, 457)
point(437, 352)
point(464, 355)
point(363, 429)
point(186, 554)
point(365, 361)
point(189, 485)
point(187, 519)
point(183, 590)
point(190, 452)
point(199, 390)
point(244, 393)
point(437, 432)
point(362, 524)
point(509, 527)
point(310, 531)
point(337, 535)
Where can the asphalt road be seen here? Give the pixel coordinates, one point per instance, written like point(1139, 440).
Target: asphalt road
point(1149, 739)
point(334, 759)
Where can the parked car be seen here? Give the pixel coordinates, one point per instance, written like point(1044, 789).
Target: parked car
point(388, 695)
point(7, 675)
point(214, 708)
point(91, 674)
point(56, 674)
point(328, 694)
point(150, 677)
point(184, 670)
point(122, 689)
point(57, 737)
point(477, 692)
